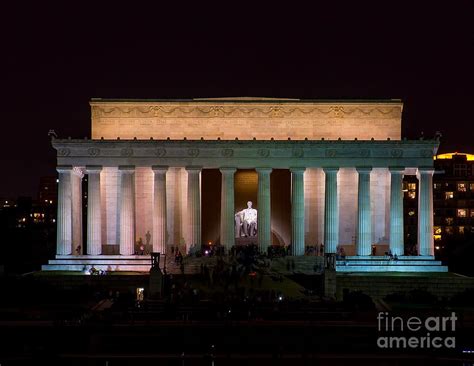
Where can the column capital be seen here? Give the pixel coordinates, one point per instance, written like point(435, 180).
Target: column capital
point(297, 170)
point(425, 170)
point(228, 170)
point(396, 169)
point(78, 172)
point(127, 169)
point(159, 169)
point(193, 168)
point(264, 170)
point(64, 168)
point(364, 169)
point(91, 169)
point(331, 169)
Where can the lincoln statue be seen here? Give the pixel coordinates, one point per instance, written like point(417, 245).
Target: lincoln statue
point(246, 222)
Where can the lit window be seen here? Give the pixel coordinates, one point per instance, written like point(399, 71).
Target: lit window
point(462, 187)
point(448, 195)
point(472, 214)
point(449, 220)
point(437, 237)
point(471, 185)
point(412, 194)
point(461, 229)
point(437, 230)
point(437, 185)
point(411, 212)
point(462, 212)
point(411, 186)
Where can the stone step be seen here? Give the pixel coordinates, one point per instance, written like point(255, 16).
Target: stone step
point(388, 263)
point(104, 267)
point(101, 261)
point(391, 268)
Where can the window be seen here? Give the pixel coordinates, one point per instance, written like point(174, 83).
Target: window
point(462, 212)
point(448, 230)
point(472, 214)
point(449, 220)
point(460, 170)
point(471, 185)
point(411, 186)
point(448, 195)
point(437, 230)
point(462, 187)
point(461, 229)
point(437, 186)
point(412, 194)
point(437, 237)
point(411, 212)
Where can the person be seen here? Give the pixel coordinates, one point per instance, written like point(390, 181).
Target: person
point(148, 237)
point(141, 246)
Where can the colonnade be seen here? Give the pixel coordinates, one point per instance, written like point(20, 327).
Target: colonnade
point(68, 210)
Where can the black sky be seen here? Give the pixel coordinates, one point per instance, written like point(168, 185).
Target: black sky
point(55, 59)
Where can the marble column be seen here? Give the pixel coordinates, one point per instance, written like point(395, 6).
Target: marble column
point(194, 208)
point(396, 211)
point(127, 210)
point(264, 229)
point(76, 197)
point(64, 219)
point(364, 213)
point(159, 208)
point(297, 211)
point(331, 212)
point(425, 211)
point(94, 212)
point(227, 208)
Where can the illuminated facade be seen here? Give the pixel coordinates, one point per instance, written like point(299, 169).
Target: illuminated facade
point(146, 167)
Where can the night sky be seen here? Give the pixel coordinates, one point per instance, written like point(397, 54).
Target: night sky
point(55, 59)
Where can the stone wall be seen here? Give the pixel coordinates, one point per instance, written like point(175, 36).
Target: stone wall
point(258, 119)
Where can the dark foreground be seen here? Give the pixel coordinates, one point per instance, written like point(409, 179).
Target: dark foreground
point(66, 323)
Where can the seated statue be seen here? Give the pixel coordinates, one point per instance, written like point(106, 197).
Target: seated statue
point(246, 222)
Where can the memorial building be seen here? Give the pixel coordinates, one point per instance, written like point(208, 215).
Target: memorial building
point(239, 171)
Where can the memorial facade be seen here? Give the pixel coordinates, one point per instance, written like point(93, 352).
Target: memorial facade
point(145, 161)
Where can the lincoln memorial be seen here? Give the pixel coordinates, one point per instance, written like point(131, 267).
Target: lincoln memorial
point(234, 171)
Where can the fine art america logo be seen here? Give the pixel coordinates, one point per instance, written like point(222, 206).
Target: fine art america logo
point(433, 332)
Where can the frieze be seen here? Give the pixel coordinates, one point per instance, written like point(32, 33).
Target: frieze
point(193, 152)
point(229, 111)
point(263, 153)
point(227, 153)
point(93, 151)
point(396, 153)
point(160, 152)
point(425, 153)
point(126, 152)
point(298, 152)
point(64, 152)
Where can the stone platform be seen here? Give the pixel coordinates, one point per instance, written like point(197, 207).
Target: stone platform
point(289, 264)
point(120, 263)
point(383, 264)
